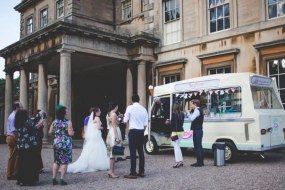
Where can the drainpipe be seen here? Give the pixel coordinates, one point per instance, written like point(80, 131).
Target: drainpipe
point(114, 14)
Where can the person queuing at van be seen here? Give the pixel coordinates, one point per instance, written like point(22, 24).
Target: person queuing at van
point(137, 117)
point(40, 125)
point(28, 146)
point(196, 117)
point(177, 120)
point(12, 165)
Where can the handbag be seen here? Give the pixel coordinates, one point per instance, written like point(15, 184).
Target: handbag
point(118, 150)
point(187, 134)
point(174, 137)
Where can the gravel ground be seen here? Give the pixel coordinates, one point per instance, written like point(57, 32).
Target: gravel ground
point(249, 172)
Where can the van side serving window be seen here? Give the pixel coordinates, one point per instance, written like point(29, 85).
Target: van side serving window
point(216, 103)
point(161, 108)
point(265, 98)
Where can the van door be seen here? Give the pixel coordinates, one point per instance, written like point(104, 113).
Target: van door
point(159, 114)
point(276, 130)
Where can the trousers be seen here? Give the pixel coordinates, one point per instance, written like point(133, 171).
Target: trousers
point(13, 161)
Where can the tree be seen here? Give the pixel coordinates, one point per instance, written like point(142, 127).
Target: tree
point(16, 87)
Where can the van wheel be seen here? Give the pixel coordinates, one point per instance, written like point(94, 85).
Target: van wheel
point(150, 147)
point(230, 152)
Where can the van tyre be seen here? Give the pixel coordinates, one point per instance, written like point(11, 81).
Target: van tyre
point(150, 147)
point(230, 152)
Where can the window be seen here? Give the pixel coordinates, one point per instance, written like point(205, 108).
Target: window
point(219, 14)
point(276, 70)
point(172, 21)
point(30, 25)
point(161, 108)
point(276, 8)
point(221, 70)
point(44, 18)
point(59, 8)
point(216, 103)
point(171, 10)
point(171, 78)
point(264, 98)
point(126, 9)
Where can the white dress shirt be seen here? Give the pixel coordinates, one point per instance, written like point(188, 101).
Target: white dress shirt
point(137, 116)
point(194, 115)
point(11, 124)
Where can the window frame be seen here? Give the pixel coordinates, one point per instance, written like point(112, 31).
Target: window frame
point(267, 10)
point(41, 18)
point(223, 17)
point(171, 75)
point(277, 75)
point(206, 67)
point(176, 7)
point(29, 26)
point(169, 34)
point(59, 6)
point(123, 3)
point(216, 68)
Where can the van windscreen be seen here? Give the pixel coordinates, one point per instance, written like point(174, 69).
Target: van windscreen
point(265, 98)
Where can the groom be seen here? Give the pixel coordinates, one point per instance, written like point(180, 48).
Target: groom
point(137, 117)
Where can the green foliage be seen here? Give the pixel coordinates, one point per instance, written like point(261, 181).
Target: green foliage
point(16, 87)
point(2, 88)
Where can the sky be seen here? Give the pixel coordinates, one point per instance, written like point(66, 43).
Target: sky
point(10, 28)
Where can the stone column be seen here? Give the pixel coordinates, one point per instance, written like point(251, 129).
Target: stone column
point(129, 86)
point(142, 82)
point(24, 89)
point(65, 81)
point(43, 94)
point(8, 98)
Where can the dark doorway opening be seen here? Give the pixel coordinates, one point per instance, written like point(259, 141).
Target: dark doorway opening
point(98, 88)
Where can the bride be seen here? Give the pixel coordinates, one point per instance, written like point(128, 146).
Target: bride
point(94, 153)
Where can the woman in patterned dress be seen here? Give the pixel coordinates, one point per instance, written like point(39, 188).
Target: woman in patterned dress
point(62, 144)
point(28, 146)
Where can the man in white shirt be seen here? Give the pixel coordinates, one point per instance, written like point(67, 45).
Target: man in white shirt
point(137, 118)
point(12, 165)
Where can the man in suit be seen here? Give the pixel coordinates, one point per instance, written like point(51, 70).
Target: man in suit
point(196, 117)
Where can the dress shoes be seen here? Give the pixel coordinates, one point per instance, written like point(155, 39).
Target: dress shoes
point(197, 165)
point(140, 175)
point(12, 178)
point(131, 176)
point(121, 159)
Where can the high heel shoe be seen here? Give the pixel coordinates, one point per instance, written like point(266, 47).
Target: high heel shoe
point(176, 165)
point(112, 176)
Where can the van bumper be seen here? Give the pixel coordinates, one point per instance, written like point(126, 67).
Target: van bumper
point(263, 149)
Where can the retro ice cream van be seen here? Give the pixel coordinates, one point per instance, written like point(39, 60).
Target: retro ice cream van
point(244, 110)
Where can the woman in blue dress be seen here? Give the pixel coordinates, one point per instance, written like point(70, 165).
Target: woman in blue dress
point(62, 144)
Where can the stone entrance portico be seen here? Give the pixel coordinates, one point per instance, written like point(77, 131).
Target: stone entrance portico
point(73, 53)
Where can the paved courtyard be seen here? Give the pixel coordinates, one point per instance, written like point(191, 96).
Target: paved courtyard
point(249, 172)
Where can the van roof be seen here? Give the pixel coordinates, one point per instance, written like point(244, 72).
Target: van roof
point(230, 79)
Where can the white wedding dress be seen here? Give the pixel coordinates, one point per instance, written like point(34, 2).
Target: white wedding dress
point(94, 153)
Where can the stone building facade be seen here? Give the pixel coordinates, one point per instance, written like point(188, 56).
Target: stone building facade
point(89, 52)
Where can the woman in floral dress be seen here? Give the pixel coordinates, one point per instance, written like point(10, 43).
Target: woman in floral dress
point(28, 146)
point(62, 144)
